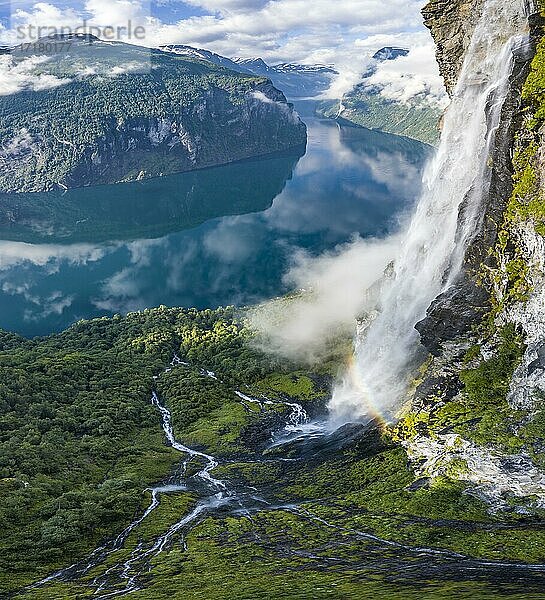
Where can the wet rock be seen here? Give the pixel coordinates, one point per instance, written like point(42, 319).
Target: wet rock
point(452, 315)
point(258, 434)
point(539, 362)
point(364, 438)
point(492, 477)
point(419, 484)
point(444, 385)
point(528, 383)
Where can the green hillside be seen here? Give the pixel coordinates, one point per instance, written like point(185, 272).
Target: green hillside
point(108, 112)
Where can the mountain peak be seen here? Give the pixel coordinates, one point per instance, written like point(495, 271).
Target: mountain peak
point(88, 38)
point(257, 63)
point(390, 53)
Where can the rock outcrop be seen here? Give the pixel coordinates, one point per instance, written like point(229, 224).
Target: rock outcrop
point(462, 307)
point(451, 25)
point(480, 393)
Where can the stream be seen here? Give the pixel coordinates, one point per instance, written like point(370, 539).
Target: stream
point(223, 498)
point(122, 578)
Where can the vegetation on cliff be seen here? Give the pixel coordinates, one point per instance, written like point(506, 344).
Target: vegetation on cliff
point(79, 438)
point(112, 112)
point(510, 280)
point(466, 392)
point(80, 442)
point(416, 119)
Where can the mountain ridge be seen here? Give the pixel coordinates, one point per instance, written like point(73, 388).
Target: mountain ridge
point(115, 119)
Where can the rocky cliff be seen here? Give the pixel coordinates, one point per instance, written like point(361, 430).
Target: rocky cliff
point(91, 112)
point(477, 414)
point(452, 25)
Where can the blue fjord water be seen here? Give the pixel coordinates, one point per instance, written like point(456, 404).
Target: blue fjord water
point(215, 237)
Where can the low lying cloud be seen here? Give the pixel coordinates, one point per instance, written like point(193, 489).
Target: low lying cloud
point(345, 34)
point(410, 77)
point(333, 295)
point(281, 106)
point(24, 76)
point(21, 143)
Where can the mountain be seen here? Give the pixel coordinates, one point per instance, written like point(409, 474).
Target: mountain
point(95, 112)
point(417, 119)
point(366, 105)
point(478, 406)
point(254, 65)
point(296, 81)
point(169, 454)
point(390, 53)
point(200, 54)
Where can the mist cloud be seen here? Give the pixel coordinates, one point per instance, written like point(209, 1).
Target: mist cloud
point(345, 34)
point(332, 297)
point(21, 76)
point(410, 77)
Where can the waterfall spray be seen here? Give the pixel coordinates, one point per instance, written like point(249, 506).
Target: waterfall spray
point(434, 247)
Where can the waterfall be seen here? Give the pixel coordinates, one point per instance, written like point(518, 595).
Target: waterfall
point(432, 254)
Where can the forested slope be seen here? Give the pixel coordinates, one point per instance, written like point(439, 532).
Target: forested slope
point(96, 112)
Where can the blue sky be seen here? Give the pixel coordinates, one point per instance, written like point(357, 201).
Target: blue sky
point(165, 10)
point(344, 33)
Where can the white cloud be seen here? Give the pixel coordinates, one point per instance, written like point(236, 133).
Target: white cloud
point(117, 13)
point(292, 25)
point(409, 77)
point(20, 76)
point(129, 67)
point(279, 106)
point(335, 285)
point(21, 142)
point(43, 15)
point(344, 34)
point(14, 254)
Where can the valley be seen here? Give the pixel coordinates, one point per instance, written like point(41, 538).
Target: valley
point(251, 346)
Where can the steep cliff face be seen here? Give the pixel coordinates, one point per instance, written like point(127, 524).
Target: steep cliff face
point(477, 412)
point(93, 112)
point(465, 304)
point(451, 25)
point(213, 130)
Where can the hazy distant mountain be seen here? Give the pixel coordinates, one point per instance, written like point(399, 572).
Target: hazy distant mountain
point(390, 53)
point(201, 54)
point(296, 81)
point(366, 105)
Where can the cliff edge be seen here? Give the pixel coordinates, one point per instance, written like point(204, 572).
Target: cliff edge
point(477, 413)
point(95, 112)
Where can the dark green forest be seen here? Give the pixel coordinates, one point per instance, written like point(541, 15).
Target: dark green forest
point(81, 443)
point(116, 112)
point(79, 439)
